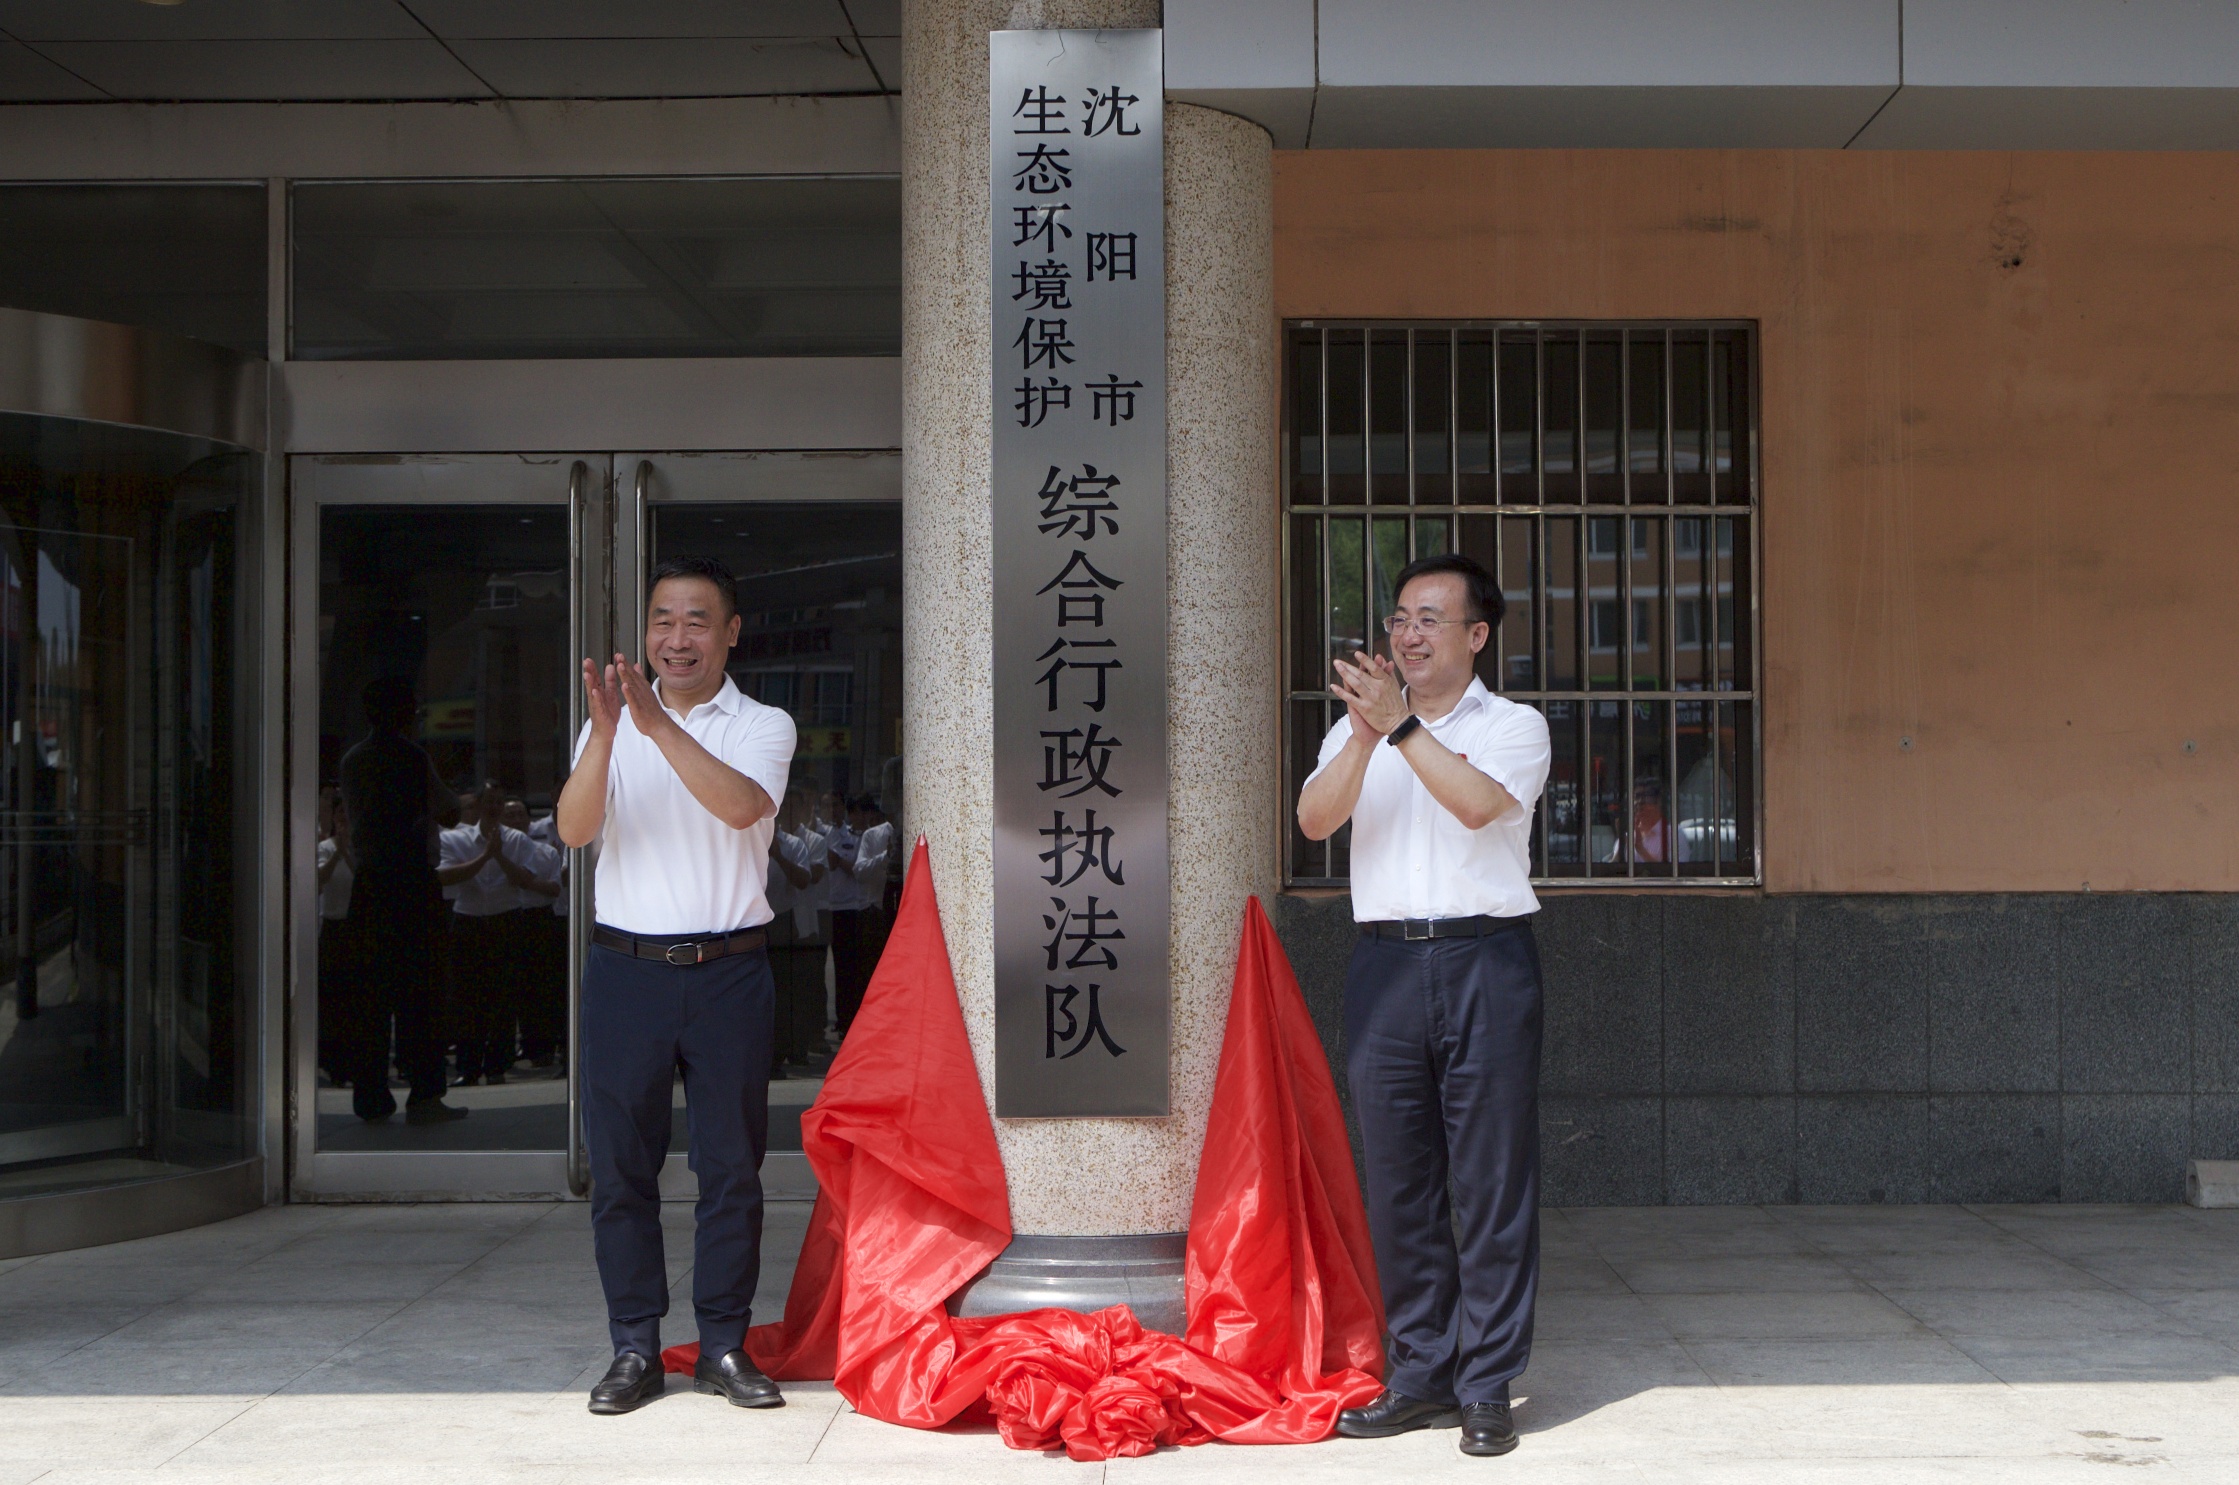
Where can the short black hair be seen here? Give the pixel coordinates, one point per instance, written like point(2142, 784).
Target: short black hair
point(1485, 601)
point(706, 568)
point(868, 803)
point(390, 698)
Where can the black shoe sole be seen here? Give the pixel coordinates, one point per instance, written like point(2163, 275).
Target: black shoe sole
point(1452, 1419)
point(713, 1389)
point(1490, 1450)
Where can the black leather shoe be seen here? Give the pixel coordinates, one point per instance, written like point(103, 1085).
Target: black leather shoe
point(1487, 1429)
point(736, 1380)
point(1395, 1413)
point(431, 1111)
point(628, 1385)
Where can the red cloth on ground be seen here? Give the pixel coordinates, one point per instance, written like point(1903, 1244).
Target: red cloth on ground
point(1284, 1324)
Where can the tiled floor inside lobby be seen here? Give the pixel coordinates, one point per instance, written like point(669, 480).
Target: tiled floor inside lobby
point(1846, 1344)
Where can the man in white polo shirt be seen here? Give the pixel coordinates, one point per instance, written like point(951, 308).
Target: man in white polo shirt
point(677, 782)
point(1442, 1000)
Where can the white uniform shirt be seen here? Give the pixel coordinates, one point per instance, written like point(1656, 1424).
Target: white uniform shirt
point(545, 831)
point(1411, 857)
point(801, 850)
point(845, 893)
point(778, 891)
point(334, 897)
point(489, 891)
point(874, 861)
point(666, 865)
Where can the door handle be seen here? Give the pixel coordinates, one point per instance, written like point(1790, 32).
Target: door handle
point(579, 895)
point(641, 559)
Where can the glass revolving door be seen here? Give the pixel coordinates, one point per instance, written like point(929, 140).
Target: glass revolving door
point(127, 1045)
point(131, 1066)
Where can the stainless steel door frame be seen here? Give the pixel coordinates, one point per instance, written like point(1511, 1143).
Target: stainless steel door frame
point(645, 479)
point(581, 481)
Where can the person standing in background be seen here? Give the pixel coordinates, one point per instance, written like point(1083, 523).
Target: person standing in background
point(827, 818)
point(396, 804)
point(535, 997)
point(544, 1011)
point(492, 871)
point(861, 856)
point(788, 880)
point(340, 1016)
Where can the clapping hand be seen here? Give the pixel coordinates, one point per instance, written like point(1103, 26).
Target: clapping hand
point(603, 696)
point(1373, 695)
point(637, 693)
point(622, 685)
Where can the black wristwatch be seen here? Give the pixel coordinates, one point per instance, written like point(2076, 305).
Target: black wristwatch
point(1398, 734)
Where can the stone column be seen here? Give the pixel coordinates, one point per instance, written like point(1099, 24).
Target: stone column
point(1098, 1203)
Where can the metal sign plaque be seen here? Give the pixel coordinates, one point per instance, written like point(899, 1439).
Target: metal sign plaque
point(1076, 155)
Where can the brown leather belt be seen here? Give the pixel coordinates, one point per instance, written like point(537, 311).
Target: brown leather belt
point(1414, 930)
point(680, 952)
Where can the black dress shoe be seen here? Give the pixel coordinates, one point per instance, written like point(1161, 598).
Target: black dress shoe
point(1395, 1413)
point(628, 1385)
point(737, 1380)
point(1487, 1429)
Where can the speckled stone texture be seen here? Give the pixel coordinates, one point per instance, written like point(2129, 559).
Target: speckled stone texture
point(1088, 1176)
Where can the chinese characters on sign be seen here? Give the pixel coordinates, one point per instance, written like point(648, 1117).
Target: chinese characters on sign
point(1079, 366)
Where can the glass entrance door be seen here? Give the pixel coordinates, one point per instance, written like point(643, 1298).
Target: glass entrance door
point(441, 602)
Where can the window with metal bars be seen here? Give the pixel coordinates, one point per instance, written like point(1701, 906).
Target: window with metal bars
point(1606, 474)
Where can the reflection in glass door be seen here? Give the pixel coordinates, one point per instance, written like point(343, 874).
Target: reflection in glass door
point(127, 1043)
point(439, 950)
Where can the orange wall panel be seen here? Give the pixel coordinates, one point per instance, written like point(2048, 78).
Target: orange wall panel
point(1999, 430)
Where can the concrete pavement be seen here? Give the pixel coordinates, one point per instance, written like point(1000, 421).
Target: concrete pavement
point(1831, 1344)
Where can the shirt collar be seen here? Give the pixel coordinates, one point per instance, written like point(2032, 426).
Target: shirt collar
point(1475, 697)
point(727, 698)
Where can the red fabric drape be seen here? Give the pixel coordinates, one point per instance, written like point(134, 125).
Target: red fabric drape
point(910, 1195)
point(1281, 1276)
point(1284, 1324)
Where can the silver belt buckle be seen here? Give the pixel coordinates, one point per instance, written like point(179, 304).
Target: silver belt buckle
point(1408, 927)
point(669, 954)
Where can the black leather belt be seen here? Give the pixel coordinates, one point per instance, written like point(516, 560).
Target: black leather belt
point(681, 952)
point(1413, 930)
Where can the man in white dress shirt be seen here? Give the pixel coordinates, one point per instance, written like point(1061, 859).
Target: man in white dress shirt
point(859, 857)
point(1442, 1000)
point(678, 782)
point(491, 872)
point(793, 878)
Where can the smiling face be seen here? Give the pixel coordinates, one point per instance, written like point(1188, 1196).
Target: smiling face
point(689, 631)
point(1438, 661)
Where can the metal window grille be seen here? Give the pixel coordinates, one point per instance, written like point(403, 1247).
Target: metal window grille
point(1606, 474)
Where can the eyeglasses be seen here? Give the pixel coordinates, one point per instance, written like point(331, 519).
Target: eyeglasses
point(1398, 624)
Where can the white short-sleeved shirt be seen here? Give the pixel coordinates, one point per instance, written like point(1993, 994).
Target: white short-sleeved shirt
point(777, 888)
point(490, 891)
point(666, 865)
point(334, 897)
point(1411, 857)
point(545, 831)
point(860, 887)
point(802, 851)
point(874, 861)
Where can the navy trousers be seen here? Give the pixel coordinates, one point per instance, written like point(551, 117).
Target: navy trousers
point(1442, 1052)
point(642, 1022)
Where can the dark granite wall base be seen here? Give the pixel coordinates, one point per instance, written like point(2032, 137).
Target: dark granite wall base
point(1983, 1048)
